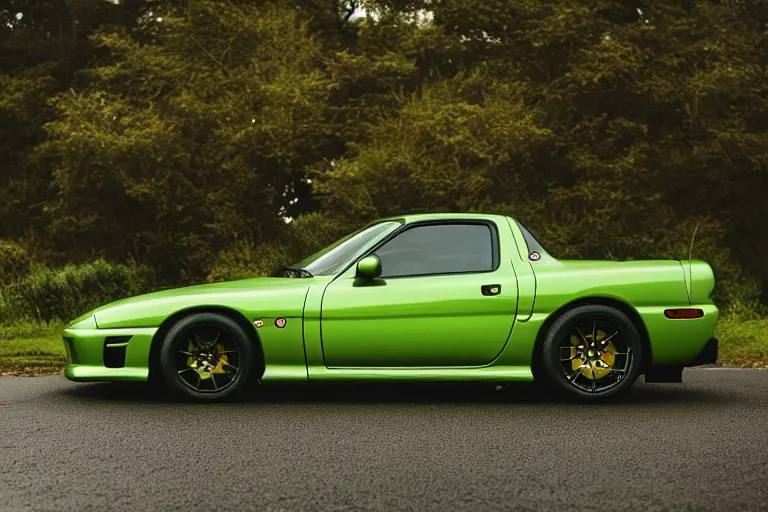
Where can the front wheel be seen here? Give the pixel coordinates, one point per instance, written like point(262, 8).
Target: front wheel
point(206, 357)
point(591, 353)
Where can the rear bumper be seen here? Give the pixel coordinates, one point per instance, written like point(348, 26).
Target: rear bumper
point(677, 341)
point(708, 354)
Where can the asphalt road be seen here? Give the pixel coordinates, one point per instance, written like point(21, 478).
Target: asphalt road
point(700, 445)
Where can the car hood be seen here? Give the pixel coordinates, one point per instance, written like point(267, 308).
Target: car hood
point(263, 297)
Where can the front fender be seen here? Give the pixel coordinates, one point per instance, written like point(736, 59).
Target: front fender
point(276, 297)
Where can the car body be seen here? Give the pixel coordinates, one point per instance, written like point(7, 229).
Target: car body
point(468, 297)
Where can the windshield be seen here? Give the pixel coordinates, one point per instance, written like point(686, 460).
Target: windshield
point(333, 258)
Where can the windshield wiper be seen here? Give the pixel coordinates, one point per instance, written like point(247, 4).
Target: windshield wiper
point(295, 272)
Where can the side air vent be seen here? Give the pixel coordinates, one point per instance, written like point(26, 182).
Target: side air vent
point(114, 351)
point(69, 345)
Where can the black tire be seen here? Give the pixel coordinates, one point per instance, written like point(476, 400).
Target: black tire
point(574, 376)
point(191, 341)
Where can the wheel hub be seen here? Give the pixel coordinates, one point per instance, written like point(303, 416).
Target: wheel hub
point(593, 354)
point(207, 360)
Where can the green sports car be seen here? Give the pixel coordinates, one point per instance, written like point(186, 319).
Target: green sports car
point(433, 297)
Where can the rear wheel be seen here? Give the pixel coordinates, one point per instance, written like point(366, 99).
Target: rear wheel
point(206, 357)
point(592, 352)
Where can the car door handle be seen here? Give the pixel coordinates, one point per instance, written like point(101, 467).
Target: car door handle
point(491, 289)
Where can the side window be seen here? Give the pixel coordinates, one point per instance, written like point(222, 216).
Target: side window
point(530, 241)
point(439, 249)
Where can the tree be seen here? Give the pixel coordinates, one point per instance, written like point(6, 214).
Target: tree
point(200, 137)
point(636, 116)
point(44, 44)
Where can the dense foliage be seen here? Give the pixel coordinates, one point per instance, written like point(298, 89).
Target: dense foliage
point(65, 293)
point(211, 140)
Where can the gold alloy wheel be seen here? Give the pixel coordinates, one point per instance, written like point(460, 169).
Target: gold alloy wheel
point(594, 356)
point(208, 362)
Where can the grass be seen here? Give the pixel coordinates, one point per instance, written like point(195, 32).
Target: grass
point(743, 342)
point(32, 348)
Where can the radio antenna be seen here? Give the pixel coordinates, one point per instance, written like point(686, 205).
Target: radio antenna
point(693, 237)
point(690, 262)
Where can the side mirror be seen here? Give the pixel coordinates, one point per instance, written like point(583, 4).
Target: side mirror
point(369, 267)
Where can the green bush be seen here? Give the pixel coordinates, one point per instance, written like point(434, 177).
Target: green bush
point(313, 231)
point(5, 308)
point(28, 329)
point(244, 259)
point(47, 294)
point(741, 310)
point(14, 261)
point(743, 336)
point(303, 237)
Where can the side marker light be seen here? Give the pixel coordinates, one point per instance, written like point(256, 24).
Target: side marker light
point(683, 314)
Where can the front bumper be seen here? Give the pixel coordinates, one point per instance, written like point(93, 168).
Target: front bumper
point(708, 354)
point(107, 354)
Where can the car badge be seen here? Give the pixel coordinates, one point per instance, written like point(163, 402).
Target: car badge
point(280, 322)
point(258, 323)
point(534, 256)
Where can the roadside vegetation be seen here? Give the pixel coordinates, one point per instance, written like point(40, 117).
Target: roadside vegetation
point(149, 144)
point(31, 348)
point(743, 336)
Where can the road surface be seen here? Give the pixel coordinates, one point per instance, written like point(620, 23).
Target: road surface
point(700, 445)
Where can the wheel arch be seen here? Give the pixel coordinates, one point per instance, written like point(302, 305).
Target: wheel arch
point(165, 326)
point(615, 303)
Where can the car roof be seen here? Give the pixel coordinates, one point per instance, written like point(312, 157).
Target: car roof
point(421, 217)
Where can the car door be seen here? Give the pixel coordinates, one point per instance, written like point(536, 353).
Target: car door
point(444, 299)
